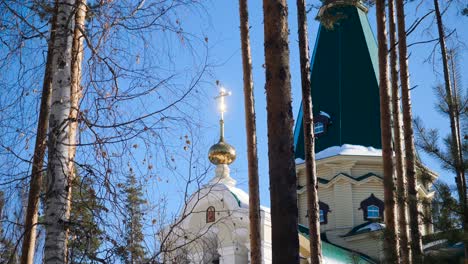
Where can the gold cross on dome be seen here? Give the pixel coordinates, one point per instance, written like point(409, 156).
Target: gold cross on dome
point(222, 105)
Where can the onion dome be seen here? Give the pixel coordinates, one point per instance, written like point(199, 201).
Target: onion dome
point(222, 153)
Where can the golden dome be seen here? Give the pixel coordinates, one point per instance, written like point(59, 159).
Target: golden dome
point(222, 153)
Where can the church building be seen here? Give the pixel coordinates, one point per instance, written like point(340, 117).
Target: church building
point(344, 85)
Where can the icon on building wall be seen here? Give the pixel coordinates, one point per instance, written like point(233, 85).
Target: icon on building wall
point(210, 214)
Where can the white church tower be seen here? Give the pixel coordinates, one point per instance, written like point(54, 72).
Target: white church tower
point(215, 223)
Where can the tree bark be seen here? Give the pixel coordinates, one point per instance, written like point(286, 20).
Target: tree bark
point(251, 134)
point(75, 92)
point(59, 175)
point(454, 129)
point(309, 137)
point(35, 185)
point(390, 238)
point(415, 234)
point(399, 161)
point(283, 196)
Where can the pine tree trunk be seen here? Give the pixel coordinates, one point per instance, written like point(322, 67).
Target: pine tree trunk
point(283, 196)
point(399, 161)
point(453, 69)
point(30, 225)
point(390, 238)
point(251, 134)
point(58, 173)
point(454, 129)
point(309, 137)
point(415, 234)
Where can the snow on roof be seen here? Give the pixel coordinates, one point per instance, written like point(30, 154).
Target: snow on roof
point(299, 161)
point(243, 198)
point(346, 149)
point(371, 227)
point(324, 114)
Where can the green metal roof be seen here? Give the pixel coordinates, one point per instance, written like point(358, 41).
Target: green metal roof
point(344, 83)
point(335, 254)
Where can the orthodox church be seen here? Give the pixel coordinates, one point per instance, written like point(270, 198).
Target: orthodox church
point(344, 85)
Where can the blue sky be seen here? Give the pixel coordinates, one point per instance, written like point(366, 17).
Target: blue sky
point(218, 21)
point(223, 33)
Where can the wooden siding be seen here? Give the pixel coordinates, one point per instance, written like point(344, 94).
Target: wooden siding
point(344, 196)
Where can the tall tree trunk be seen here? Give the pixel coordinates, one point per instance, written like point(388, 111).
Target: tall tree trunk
point(415, 234)
point(390, 238)
point(59, 176)
point(251, 133)
point(456, 105)
point(399, 161)
point(454, 129)
point(76, 91)
point(283, 196)
point(30, 225)
point(309, 137)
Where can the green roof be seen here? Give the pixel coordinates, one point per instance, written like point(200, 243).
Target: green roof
point(344, 83)
point(336, 254)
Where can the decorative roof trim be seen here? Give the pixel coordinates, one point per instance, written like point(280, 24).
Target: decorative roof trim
point(237, 198)
point(336, 3)
point(359, 180)
point(349, 178)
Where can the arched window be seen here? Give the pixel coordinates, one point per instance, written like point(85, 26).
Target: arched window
point(210, 214)
point(318, 128)
point(324, 209)
point(373, 212)
point(372, 208)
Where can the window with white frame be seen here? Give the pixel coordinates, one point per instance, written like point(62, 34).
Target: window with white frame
point(373, 211)
point(322, 217)
point(318, 128)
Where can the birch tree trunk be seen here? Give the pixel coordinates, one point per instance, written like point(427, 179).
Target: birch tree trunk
point(30, 225)
point(390, 238)
point(251, 134)
point(454, 129)
point(283, 196)
point(59, 176)
point(309, 137)
point(76, 91)
point(415, 234)
point(399, 161)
